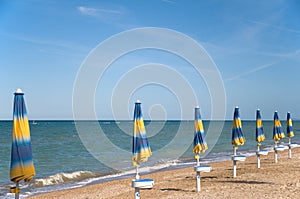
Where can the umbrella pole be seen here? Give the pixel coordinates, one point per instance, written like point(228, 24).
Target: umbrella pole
point(275, 152)
point(290, 149)
point(198, 181)
point(137, 176)
point(137, 194)
point(234, 150)
point(234, 161)
point(17, 192)
point(198, 160)
point(258, 156)
point(198, 177)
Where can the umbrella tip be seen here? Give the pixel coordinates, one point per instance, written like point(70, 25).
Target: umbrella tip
point(19, 90)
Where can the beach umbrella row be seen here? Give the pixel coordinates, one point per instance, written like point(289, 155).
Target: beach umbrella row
point(238, 138)
point(278, 134)
point(22, 167)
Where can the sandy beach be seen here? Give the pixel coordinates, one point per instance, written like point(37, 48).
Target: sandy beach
point(281, 180)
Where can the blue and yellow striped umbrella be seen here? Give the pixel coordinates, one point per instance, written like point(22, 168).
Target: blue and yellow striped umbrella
point(21, 167)
point(200, 145)
point(289, 126)
point(278, 133)
point(260, 136)
point(237, 133)
point(140, 145)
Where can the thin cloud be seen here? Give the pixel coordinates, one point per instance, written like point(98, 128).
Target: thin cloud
point(169, 1)
point(254, 70)
point(97, 11)
point(49, 42)
point(51, 46)
point(87, 11)
point(275, 27)
point(293, 54)
point(119, 16)
point(39, 41)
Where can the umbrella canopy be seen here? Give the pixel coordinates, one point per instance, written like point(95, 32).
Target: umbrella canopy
point(237, 133)
point(260, 136)
point(200, 145)
point(289, 126)
point(140, 145)
point(21, 167)
point(278, 133)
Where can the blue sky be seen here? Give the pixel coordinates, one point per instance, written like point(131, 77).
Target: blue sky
point(255, 46)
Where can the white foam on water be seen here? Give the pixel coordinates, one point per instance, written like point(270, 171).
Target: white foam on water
point(63, 178)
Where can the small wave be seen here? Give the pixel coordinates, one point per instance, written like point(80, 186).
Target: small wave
point(64, 178)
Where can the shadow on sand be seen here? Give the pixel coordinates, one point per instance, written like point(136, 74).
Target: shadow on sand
point(244, 182)
point(176, 189)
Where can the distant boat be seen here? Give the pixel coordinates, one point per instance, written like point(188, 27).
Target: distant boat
point(34, 122)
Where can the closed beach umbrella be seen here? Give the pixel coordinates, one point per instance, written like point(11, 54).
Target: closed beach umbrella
point(289, 126)
point(237, 138)
point(200, 145)
point(140, 149)
point(260, 136)
point(289, 132)
point(140, 145)
point(278, 134)
point(21, 167)
point(237, 133)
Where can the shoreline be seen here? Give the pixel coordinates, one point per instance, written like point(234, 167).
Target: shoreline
point(270, 181)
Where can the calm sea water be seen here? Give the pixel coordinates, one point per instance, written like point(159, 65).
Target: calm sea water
point(62, 160)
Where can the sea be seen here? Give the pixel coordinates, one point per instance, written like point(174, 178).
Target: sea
point(70, 154)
